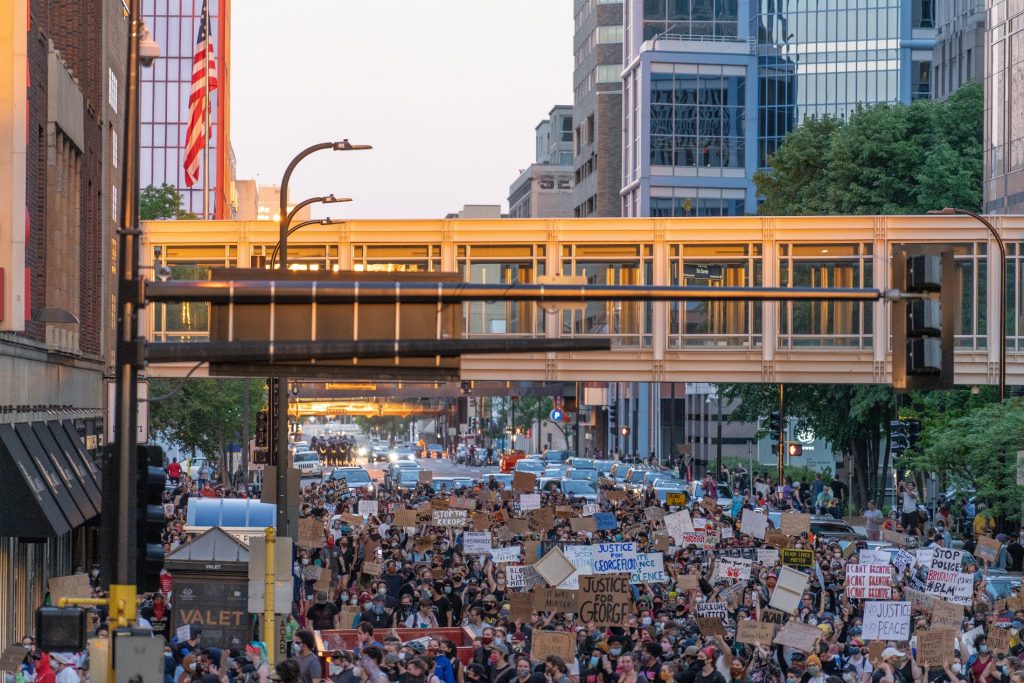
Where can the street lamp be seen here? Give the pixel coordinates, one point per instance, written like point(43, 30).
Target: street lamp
point(329, 199)
point(950, 211)
point(342, 146)
point(321, 221)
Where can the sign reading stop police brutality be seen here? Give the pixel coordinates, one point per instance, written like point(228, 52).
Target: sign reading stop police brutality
point(604, 600)
point(943, 575)
point(868, 581)
point(612, 558)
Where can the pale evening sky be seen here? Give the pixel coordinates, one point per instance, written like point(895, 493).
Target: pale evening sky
point(447, 91)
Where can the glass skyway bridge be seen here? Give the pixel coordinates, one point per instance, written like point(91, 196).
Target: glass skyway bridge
point(841, 342)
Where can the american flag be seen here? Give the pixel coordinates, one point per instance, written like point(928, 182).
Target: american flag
point(204, 80)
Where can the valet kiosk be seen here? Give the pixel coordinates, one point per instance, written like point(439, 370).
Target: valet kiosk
point(211, 583)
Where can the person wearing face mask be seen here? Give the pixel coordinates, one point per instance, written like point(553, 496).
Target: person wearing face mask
point(523, 669)
point(340, 668)
point(955, 672)
point(377, 615)
point(708, 673)
point(501, 672)
point(442, 605)
point(424, 617)
point(650, 662)
point(982, 666)
point(448, 587)
point(813, 672)
point(309, 664)
point(598, 668)
point(857, 661)
point(322, 614)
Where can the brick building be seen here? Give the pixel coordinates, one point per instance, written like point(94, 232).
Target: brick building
point(61, 107)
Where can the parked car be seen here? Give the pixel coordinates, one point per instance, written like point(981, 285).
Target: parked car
point(576, 488)
point(357, 478)
point(828, 528)
point(663, 487)
point(583, 463)
point(723, 497)
point(449, 484)
point(528, 465)
point(577, 474)
point(307, 462)
point(503, 478)
point(605, 467)
point(434, 450)
point(394, 467)
point(507, 462)
point(557, 456)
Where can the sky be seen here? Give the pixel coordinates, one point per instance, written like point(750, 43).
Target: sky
point(448, 92)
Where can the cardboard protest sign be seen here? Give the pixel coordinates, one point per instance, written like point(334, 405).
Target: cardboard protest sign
point(678, 499)
point(920, 600)
point(323, 582)
point(520, 606)
point(789, 588)
point(868, 581)
point(405, 517)
point(613, 558)
point(438, 573)
point(519, 526)
point(541, 520)
point(347, 615)
point(614, 495)
point(735, 568)
point(710, 626)
point(554, 567)
point(531, 551)
point(797, 557)
point(798, 635)
point(886, 620)
point(563, 512)
point(373, 569)
point(604, 600)
point(555, 599)
point(662, 543)
point(450, 518)
point(559, 643)
point(12, 657)
point(509, 554)
point(754, 523)
point(688, 582)
point(605, 521)
point(503, 533)
point(582, 558)
point(795, 523)
point(522, 576)
point(583, 524)
point(935, 645)
point(946, 615)
point(426, 477)
point(424, 513)
point(424, 543)
point(524, 481)
point(897, 538)
point(476, 542)
point(654, 514)
point(753, 632)
point(529, 501)
point(774, 616)
point(998, 640)
point(73, 586)
point(311, 533)
point(650, 568)
point(440, 504)
point(678, 523)
point(987, 549)
point(481, 522)
point(776, 539)
point(368, 508)
point(463, 503)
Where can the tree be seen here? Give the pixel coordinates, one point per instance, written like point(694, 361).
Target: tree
point(204, 415)
point(886, 159)
point(156, 203)
point(388, 426)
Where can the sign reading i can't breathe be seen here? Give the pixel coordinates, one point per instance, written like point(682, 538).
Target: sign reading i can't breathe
point(613, 558)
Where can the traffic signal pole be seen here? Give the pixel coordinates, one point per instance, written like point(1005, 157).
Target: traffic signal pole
point(782, 430)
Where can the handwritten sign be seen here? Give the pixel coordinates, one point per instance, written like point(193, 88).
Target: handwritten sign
point(754, 524)
point(734, 568)
point(678, 523)
point(582, 558)
point(553, 643)
point(650, 568)
point(614, 558)
point(522, 576)
point(509, 554)
point(935, 645)
point(529, 501)
point(311, 533)
point(798, 635)
point(754, 632)
point(367, 508)
point(868, 581)
point(604, 600)
point(886, 620)
point(450, 518)
point(795, 523)
point(476, 542)
point(797, 557)
point(987, 549)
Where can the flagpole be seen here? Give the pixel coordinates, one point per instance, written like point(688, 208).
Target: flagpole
point(206, 113)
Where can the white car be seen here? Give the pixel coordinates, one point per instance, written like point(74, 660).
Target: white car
point(308, 462)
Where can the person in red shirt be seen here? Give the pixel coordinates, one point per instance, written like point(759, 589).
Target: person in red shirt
point(174, 471)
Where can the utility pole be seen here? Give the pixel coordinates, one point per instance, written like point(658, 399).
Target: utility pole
point(782, 432)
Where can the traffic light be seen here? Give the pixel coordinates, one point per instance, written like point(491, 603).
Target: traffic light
point(922, 325)
point(570, 405)
point(624, 431)
point(913, 432)
point(794, 450)
point(262, 429)
point(613, 416)
point(774, 424)
point(898, 440)
point(150, 518)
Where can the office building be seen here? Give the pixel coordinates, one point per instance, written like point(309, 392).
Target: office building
point(1004, 117)
point(61, 111)
point(711, 89)
point(165, 93)
point(544, 190)
point(959, 53)
point(597, 107)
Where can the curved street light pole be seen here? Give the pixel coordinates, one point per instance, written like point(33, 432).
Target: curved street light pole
point(294, 228)
point(342, 146)
point(950, 211)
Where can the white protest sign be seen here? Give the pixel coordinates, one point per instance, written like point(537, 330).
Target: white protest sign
point(590, 509)
point(867, 556)
point(582, 557)
point(734, 568)
point(712, 610)
point(754, 524)
point(868, 581)
point(923, 557)
point(678, 523)
point(523, 576)
point(943, 576)
point(767, 557)
point(963, 590)
point(650, 568)
point(476, 542)
point(613, 558)
point(697, 538)
point(529, 501)
point(509, 554)
point(789, 588)
point(368, 508)
point(183, 633)
point(886, 620)
point(903, 560)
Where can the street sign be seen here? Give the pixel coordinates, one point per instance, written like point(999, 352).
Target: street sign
point(282, 574)
point(556, 415)
point(141, 414)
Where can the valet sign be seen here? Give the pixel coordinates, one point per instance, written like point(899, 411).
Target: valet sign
point(614, 558)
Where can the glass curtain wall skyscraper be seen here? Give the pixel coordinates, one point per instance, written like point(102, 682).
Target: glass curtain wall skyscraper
point(165, 91)
point(712, 87)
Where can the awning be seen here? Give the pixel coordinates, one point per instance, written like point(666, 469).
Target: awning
point(51, 485)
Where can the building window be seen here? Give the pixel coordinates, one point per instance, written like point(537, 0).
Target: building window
point(920, 84)
point(609, 34)
point(113, 202)
point(695, 19)
point(697, 120)
point(114, 155)
point(112, 90)
point(608, 73)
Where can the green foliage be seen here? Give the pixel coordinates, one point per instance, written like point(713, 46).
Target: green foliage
point(975, 442)
point(205, 415)
point(156, 203)
point(388, 426)
point(887, 159)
